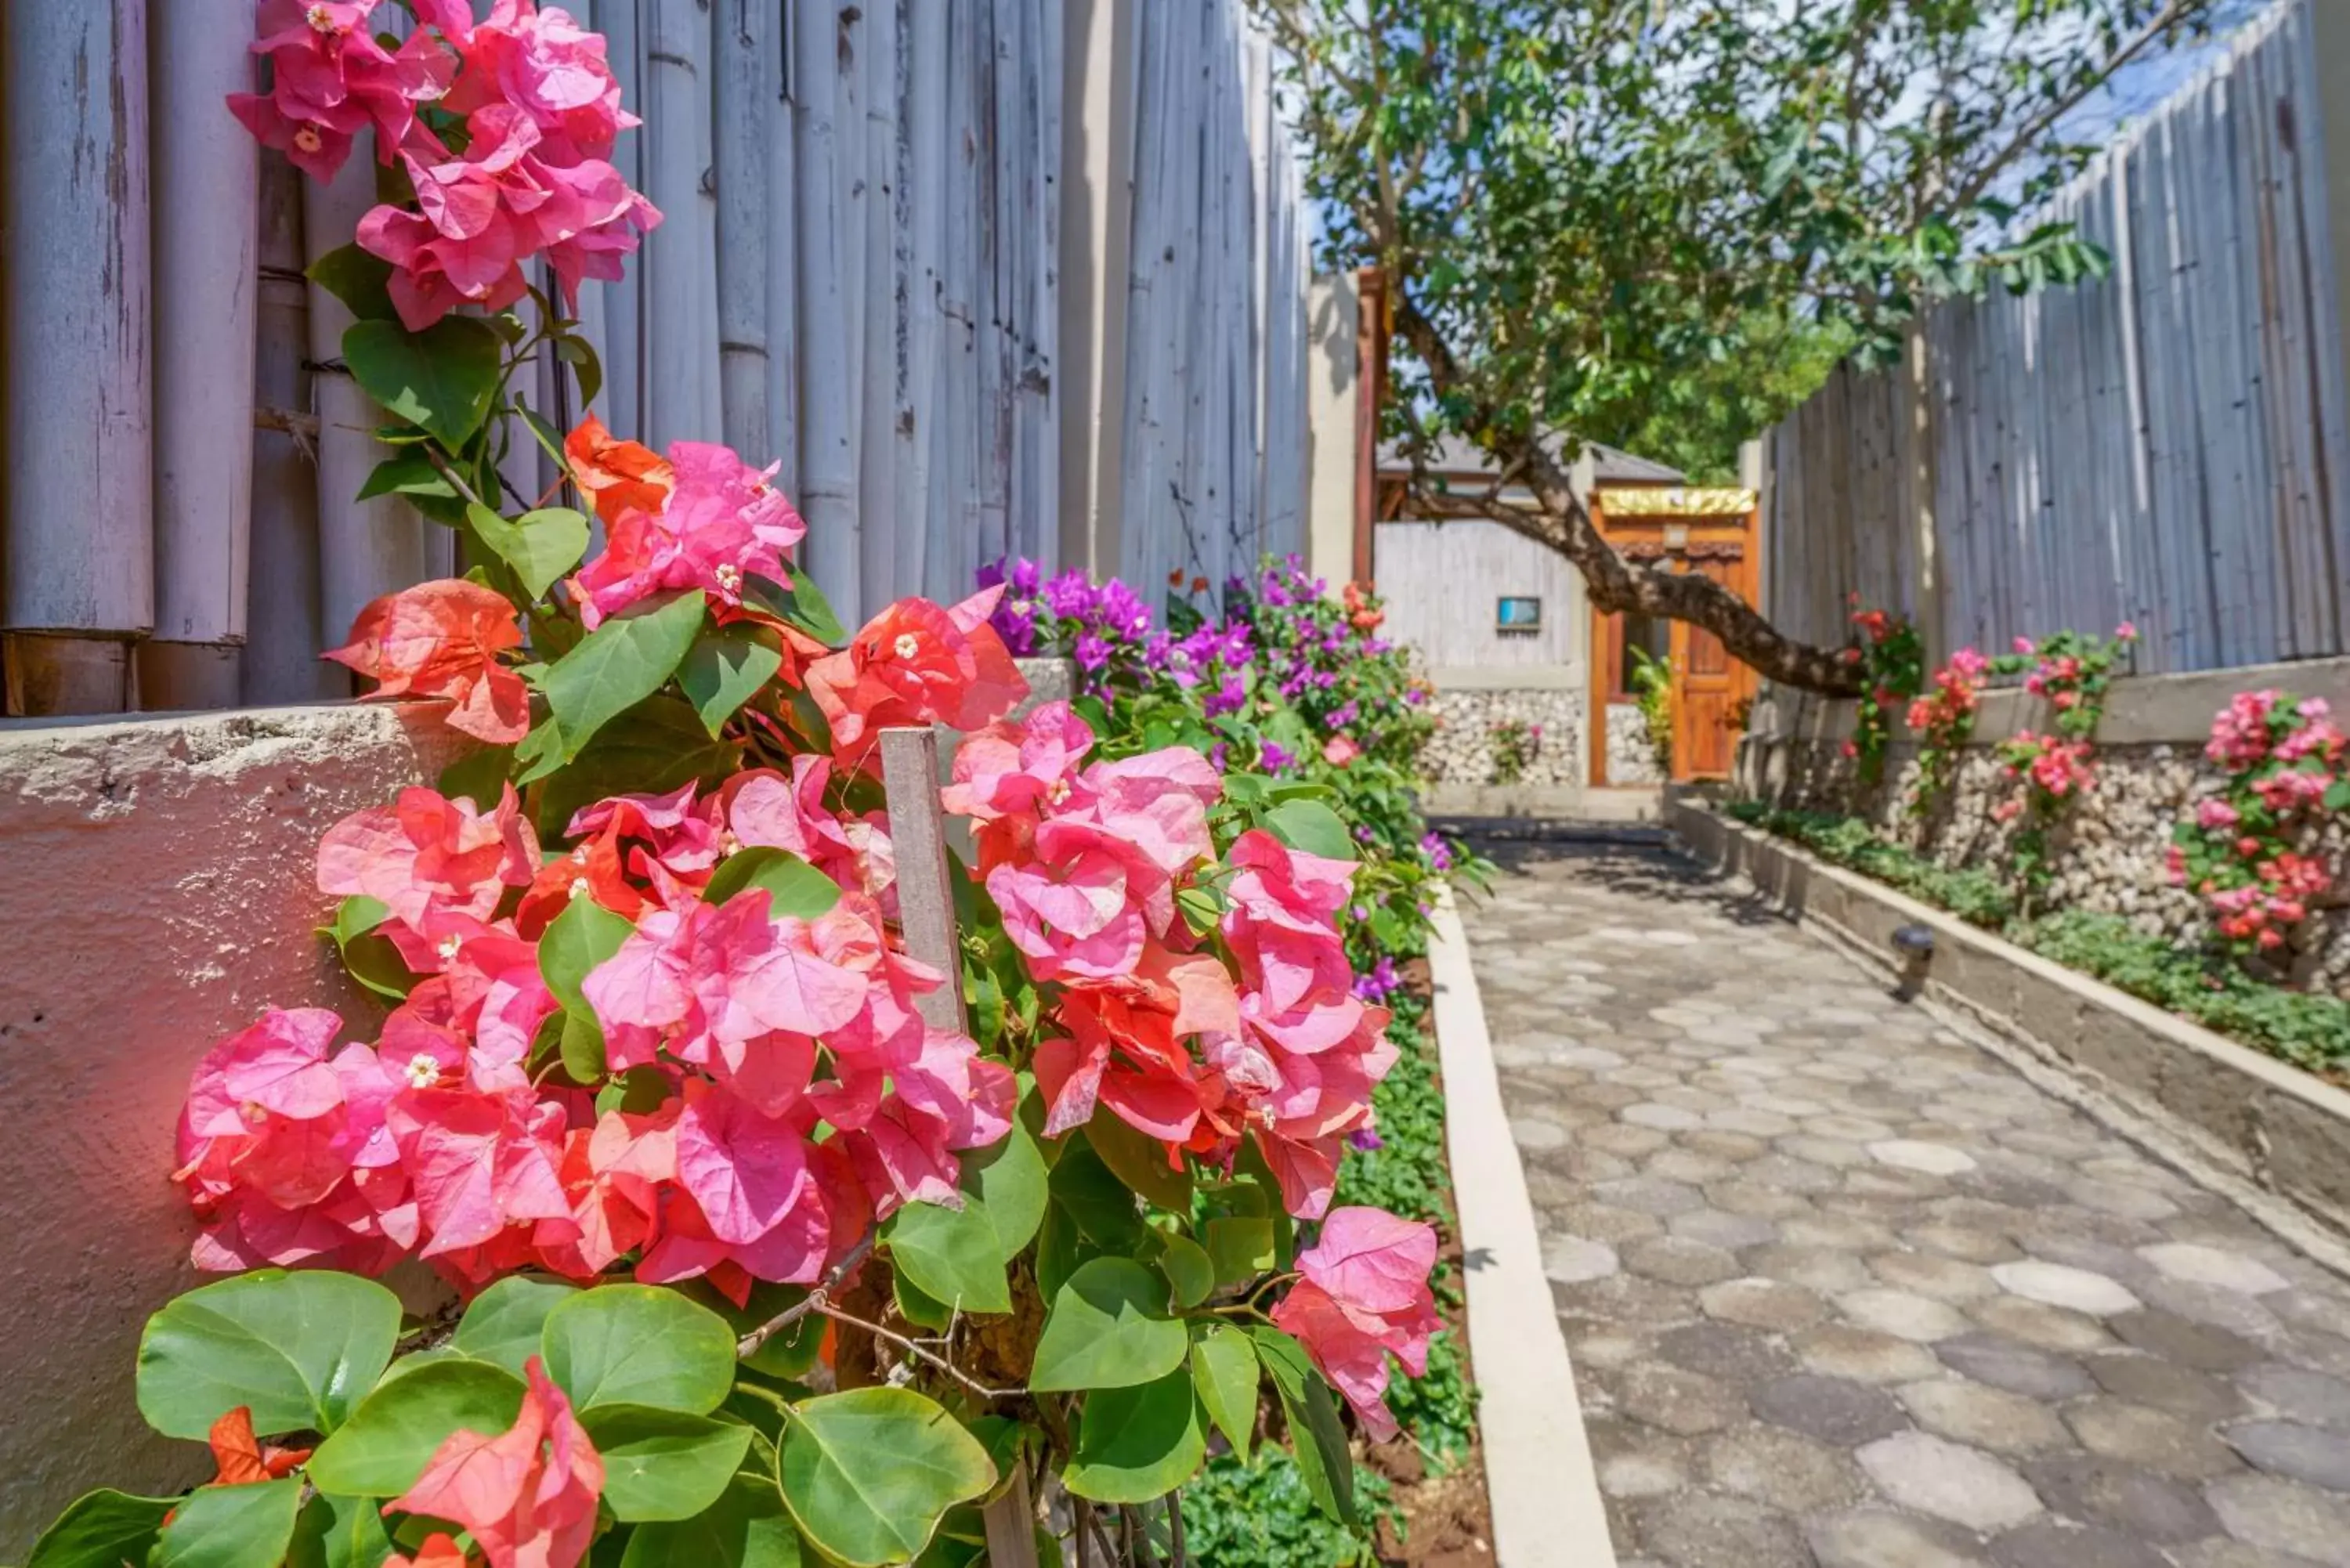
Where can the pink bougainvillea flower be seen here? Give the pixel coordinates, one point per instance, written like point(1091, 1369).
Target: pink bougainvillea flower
point(1018, 767)
point(527, 1496)
point(442, 640)
point(618, 476)
point(1365, 1295)
point(329, 79)
point(718, 521)
point(542, 62)
point(239, 1459)
point(438, 1551)
point(480, 1161)
point(764, 810)
point(1340, 749)
point(429, 854)
point(915, 663)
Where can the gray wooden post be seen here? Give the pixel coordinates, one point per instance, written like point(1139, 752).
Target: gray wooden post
point(909, 772)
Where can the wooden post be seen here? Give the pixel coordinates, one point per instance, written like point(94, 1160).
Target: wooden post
point(909, 772)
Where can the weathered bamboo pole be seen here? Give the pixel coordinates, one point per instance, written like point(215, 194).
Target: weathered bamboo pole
point(745, 60)
point(880, 62)
point(922, 192)
point(909, 775)
point(366, 548)
point(828, 440)
point(680, 265)
point(77, 558)
point(621, 346)
point(206, 180)
point(1101, 64)
point(283, 638)
point(782, 442)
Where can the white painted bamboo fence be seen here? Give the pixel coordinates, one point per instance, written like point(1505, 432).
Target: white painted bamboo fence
point(2167, 445)
point(985, 276)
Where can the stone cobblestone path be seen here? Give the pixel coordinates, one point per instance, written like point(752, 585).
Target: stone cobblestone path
point(1842, 1289)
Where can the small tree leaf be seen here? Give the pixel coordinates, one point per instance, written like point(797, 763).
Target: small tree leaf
point(794, 886)
point(868, 1474)
point(1187, 1267)
point(503, 1324)
point(802, 604)
point(359, 278)
point(1101, 1205)
point(440, 378)
point(953, 1255)
point(1108, 1328)
point(383, 1448)
point(540, 546)
point(745, 1528)
point(1224, 1371)
point(1009, 1177)
point(1314, 1433)
point(340, 1533)
point(231, 1526)
point(1311, 826)
point(617, 666)
point(1136, 1445)
point(1140, 1161)
point(101, 1529)
point(1239, 1247)
point(650, 749)
point(639, 1345)
point(300, 1349)
point(580, 355)
point(661, 1465)
point(726, 667)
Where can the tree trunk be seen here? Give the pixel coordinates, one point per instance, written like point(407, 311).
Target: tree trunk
point(1559, 520)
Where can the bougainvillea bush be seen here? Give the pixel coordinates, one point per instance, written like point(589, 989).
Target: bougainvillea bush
point(1292, 690)
point(758, 1247)
point(2251, 850)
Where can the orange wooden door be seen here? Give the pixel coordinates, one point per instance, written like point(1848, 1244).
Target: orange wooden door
point(1708, 685)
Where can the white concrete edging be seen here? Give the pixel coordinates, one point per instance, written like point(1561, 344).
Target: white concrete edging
point(1538, 1471)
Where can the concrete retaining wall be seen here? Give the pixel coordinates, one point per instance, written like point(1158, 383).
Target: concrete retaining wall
point(157, 896)
point(2108, 852)
point(2244, 1114)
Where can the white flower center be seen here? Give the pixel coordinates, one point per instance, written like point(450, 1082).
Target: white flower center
point(1058, 793)
point(729, 575)
point(321, 20)
point(308, 140)
point(579, 887)
point(421, 1072)
point(449, 946)
point(255, 1113)
point(908, 645)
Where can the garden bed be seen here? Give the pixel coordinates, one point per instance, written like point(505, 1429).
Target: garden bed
point(2247, 1121)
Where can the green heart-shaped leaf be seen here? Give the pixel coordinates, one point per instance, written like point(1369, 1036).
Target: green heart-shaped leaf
point(231, 1526)
point(1186, 1266)
point(1100, 1205)
point(614, 667)
point(1314, 1433)
point(639, 1345)
point(503, 1324)
point(1239, 1247)
point(101, 1529)
point(539, 546)
point(1009, 1177)
point(1136, 1445)
point(1312, 827)
point(794, 886)
point(868, 1474)
point(1108, 1328)
point(383, 1448)
point(440, 378)
point(300, 1349)
point(1224, 1371)
point(725, 669)
point(952, 1255)
point(745, 1528)
point(359, 278)
point(1140, 1161)
point(340, 1532)
point(660, 1465)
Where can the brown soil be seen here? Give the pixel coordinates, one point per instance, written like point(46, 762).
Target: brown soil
point(1448, 1520)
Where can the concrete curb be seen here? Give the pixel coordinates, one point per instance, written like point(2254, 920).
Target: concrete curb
point(1538, 1471)
point(2273, 1139)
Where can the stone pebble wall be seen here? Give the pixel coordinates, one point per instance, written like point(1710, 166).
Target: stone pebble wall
point(2108, 854)
point(1461, 753)
point(1631, 758)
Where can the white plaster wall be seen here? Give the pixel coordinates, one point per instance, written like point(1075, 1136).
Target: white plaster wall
point(155, 894)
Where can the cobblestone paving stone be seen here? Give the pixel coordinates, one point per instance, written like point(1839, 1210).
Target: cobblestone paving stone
point(1841, 1289)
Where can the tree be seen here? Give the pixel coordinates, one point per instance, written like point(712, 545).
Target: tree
point(1589, 207)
